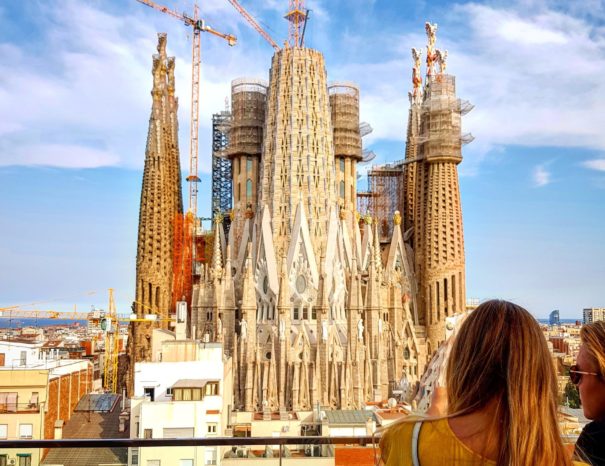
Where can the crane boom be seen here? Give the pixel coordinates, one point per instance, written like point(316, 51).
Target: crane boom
point(164, 9)
point(253, 23)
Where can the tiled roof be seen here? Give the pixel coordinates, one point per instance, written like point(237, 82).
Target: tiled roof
point(87, 425)
point(349, 416)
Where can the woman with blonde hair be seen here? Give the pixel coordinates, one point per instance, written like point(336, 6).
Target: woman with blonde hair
point(501, 399)
point(589, 375)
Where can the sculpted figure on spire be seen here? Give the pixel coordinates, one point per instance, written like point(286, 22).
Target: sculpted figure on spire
point(416, 75)
point(431, 56)
point(442, 60)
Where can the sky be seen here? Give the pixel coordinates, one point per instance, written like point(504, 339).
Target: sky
point(75, 81)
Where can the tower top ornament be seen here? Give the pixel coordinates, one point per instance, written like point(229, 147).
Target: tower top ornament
point(431, 56)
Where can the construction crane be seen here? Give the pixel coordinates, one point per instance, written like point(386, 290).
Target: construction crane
point(112, 346)
point(38, 314)
point(73, 315)
point(254, 24)
point(297, 17)
point(199, 26)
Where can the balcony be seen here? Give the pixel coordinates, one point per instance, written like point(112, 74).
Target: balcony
point(19, 408)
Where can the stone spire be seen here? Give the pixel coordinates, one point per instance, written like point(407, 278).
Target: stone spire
point(161, 202)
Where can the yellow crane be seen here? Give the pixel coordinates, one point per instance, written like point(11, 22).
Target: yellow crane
point(109, 323)
point(112, 346)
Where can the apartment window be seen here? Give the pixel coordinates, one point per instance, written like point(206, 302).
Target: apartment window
point(295, 314)
point(187, 462)
point(26, 431)
point(154, 463)
point(23, 358)
point(342, 165)
point(212, 388)
point(212, 429)
point(150, 392)
point(147, 433)
point(342, 189)
point(210, 456)
point(25, 459)
point(135, 457)
point(249, 164)
point(3, 431)
point(3, 460)
point(249, 188)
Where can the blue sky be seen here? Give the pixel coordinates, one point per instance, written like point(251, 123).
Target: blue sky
point(75, 77)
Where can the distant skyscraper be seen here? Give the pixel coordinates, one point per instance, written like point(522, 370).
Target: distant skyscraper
point(554, 318)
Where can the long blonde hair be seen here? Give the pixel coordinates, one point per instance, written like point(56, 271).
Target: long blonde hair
point(593, 338)
point(500, 354)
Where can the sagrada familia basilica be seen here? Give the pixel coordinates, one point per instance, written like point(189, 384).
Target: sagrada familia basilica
point(308, 297)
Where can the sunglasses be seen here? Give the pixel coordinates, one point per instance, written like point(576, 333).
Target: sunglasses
point(576, 376)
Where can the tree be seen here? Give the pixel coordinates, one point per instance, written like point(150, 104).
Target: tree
point(571, 396)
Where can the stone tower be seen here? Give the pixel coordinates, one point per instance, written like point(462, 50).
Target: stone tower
point(438, 234)
point(248, 103)
point(344, 105)
point(297, 167)
point(161, 202)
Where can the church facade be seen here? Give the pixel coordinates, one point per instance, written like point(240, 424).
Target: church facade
point(312, 304)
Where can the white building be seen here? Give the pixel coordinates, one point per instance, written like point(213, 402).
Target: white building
point(188, 394)
point(593, 314)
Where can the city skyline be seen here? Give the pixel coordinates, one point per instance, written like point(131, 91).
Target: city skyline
point(73, 135)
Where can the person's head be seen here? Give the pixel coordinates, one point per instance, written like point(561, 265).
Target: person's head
point(500, 358)
point(591, 358)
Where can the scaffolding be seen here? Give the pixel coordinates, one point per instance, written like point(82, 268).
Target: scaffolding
point(248, 103)
point(182, 265)
point(222, 183)
point(386, 183)
point(364, 202)
point(344, 107)
point(441, 111)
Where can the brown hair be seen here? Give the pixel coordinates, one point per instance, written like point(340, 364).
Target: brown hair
point(593, 338)
point(500, 354)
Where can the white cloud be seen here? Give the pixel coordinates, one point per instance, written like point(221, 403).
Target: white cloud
point(82, 100)
point(534, 77)
point(541, 176)
point(59, 155)
point(533, 73)
point(596, 164)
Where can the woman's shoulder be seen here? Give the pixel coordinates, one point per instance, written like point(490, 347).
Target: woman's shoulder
point(396, 441)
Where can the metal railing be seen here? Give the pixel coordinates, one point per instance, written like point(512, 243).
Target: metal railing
point(289, 451)
point(187, 442)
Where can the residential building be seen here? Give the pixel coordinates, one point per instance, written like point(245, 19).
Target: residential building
point(186, 392)
point(35, 394)
point(592, 314)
